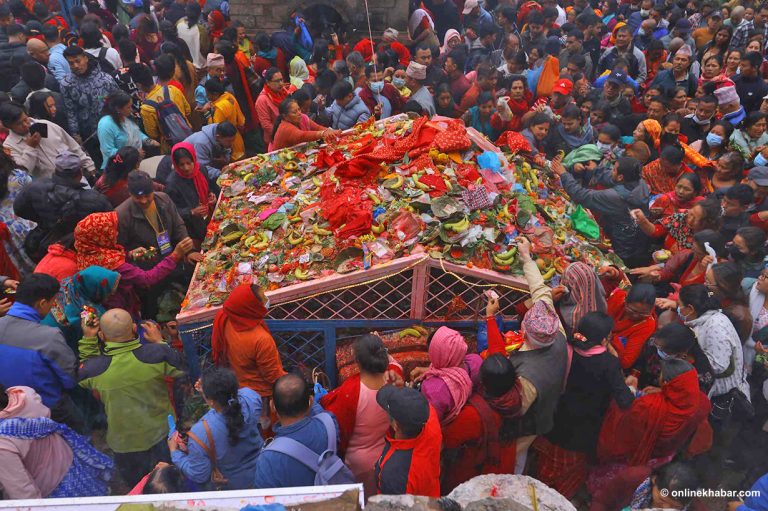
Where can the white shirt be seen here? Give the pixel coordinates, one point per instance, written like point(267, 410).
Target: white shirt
point(39, 160)
point(112, 56)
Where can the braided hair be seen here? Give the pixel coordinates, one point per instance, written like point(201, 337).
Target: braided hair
point(220, 386)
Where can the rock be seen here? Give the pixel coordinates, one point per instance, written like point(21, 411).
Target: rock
point(484, 490)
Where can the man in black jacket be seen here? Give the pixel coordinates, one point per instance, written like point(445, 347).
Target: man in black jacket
point(12, 54)
point(749, 84)
point(57, 204)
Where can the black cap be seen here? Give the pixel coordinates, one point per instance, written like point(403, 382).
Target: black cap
point(407, 406)
point(139, 183)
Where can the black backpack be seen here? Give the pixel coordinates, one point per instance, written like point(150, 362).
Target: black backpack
point(104, 64)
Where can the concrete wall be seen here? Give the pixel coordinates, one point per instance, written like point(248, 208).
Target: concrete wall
point(269, 15)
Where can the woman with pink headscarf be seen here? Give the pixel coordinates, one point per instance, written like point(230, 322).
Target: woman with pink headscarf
point(447, 383)
point(41, 458)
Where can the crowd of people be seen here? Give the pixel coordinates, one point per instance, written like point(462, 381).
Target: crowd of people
point(117, 118)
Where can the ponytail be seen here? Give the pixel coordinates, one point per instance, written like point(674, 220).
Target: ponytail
point(220, 386)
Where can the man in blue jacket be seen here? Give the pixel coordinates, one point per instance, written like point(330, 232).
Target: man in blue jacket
point(297, 413)
point(35, 355)
point(213, 147)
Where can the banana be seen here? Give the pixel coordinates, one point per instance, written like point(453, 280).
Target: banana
point(291, 165)
point(503, 262)
point(374, 198)
point(263, 242)
point(317, 181)
point(419, 184)
point(377, 228)
point(322, 232)
point(247, 176)
point(509, 254)
point(397, 184)
point(293, 239)
point(534, 180)
point(421, 329)
point(549, 273)
point(250, 240)
point(528, 186)
point(459, 226)
point(410, 332)
point(448, 184)
point(301, 274)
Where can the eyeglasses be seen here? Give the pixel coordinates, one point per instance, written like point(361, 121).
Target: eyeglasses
point(762, 276)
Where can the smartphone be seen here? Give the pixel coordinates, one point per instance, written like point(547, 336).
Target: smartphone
point(171, 426)
point(39, 127)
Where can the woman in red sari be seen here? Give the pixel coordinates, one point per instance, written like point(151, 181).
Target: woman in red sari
point(363, 424)
point(268, 103)
point(634, 321)
point(678, 229)
point(685, 267)
point(520, 101)
point(681, 199)
point(658, 423)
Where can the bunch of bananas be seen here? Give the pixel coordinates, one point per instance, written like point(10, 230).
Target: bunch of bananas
point(417, 331)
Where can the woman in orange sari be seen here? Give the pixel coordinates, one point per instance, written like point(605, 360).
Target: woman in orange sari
point(649, 131)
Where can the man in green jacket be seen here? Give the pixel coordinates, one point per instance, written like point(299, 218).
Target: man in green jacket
point(131, 380)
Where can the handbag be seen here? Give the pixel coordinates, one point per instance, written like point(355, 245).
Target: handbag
point(218, 480)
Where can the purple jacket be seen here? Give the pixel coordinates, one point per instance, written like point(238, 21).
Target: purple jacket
point(133, 277)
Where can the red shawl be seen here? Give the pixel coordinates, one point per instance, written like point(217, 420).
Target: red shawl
point(244, 311)
point(201, 183)
point(656, 425)
point(7, 267)
point(96, 242)
point(628, 337)
point(218, 25)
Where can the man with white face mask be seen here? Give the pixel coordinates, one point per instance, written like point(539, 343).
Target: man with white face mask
point(696, 126)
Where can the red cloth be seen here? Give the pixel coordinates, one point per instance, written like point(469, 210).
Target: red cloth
point(515, 141)
point(244, 311)
point(558, 468)
point(656, 425)
point(7, 267)
point(454, 138)
point(201, 183)
point(402, 52)
point(96, 242)
point(634, 334)
point(364, 48)
point(59, 262)
point(466, 433)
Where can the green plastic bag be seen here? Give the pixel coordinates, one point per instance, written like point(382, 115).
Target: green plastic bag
point(583, 224)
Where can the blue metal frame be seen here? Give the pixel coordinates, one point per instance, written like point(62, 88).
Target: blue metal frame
point(329, 330)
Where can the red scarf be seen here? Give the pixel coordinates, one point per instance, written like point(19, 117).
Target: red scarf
point(218, 25)
point(201, 183)
point(278, 97)
point(509, 404)
point(244, 311)
point(662, 421)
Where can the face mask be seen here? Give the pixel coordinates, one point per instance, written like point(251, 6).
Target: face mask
point(680, 314)
point(645, 13)
point(668, 138)
point(377, 87)
point(700, 122)
point(735, 253)
point(663, 355)
point(760, 161)
point(605, 148)
point(714, 140)
point(398, 82)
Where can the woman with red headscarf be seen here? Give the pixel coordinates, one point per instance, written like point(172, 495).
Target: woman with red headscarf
point(216, 25)
point(96, 245)
point(658, 423)
point(188, 189)
point(241, 340)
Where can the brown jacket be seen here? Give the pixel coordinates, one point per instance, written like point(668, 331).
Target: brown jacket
point(135, 231)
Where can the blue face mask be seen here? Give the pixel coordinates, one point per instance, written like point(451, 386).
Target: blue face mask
point(398, 82)
point(377, 87)
point(714, 139)
point(680, 314)
point(760, 161)
point(663, 355)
